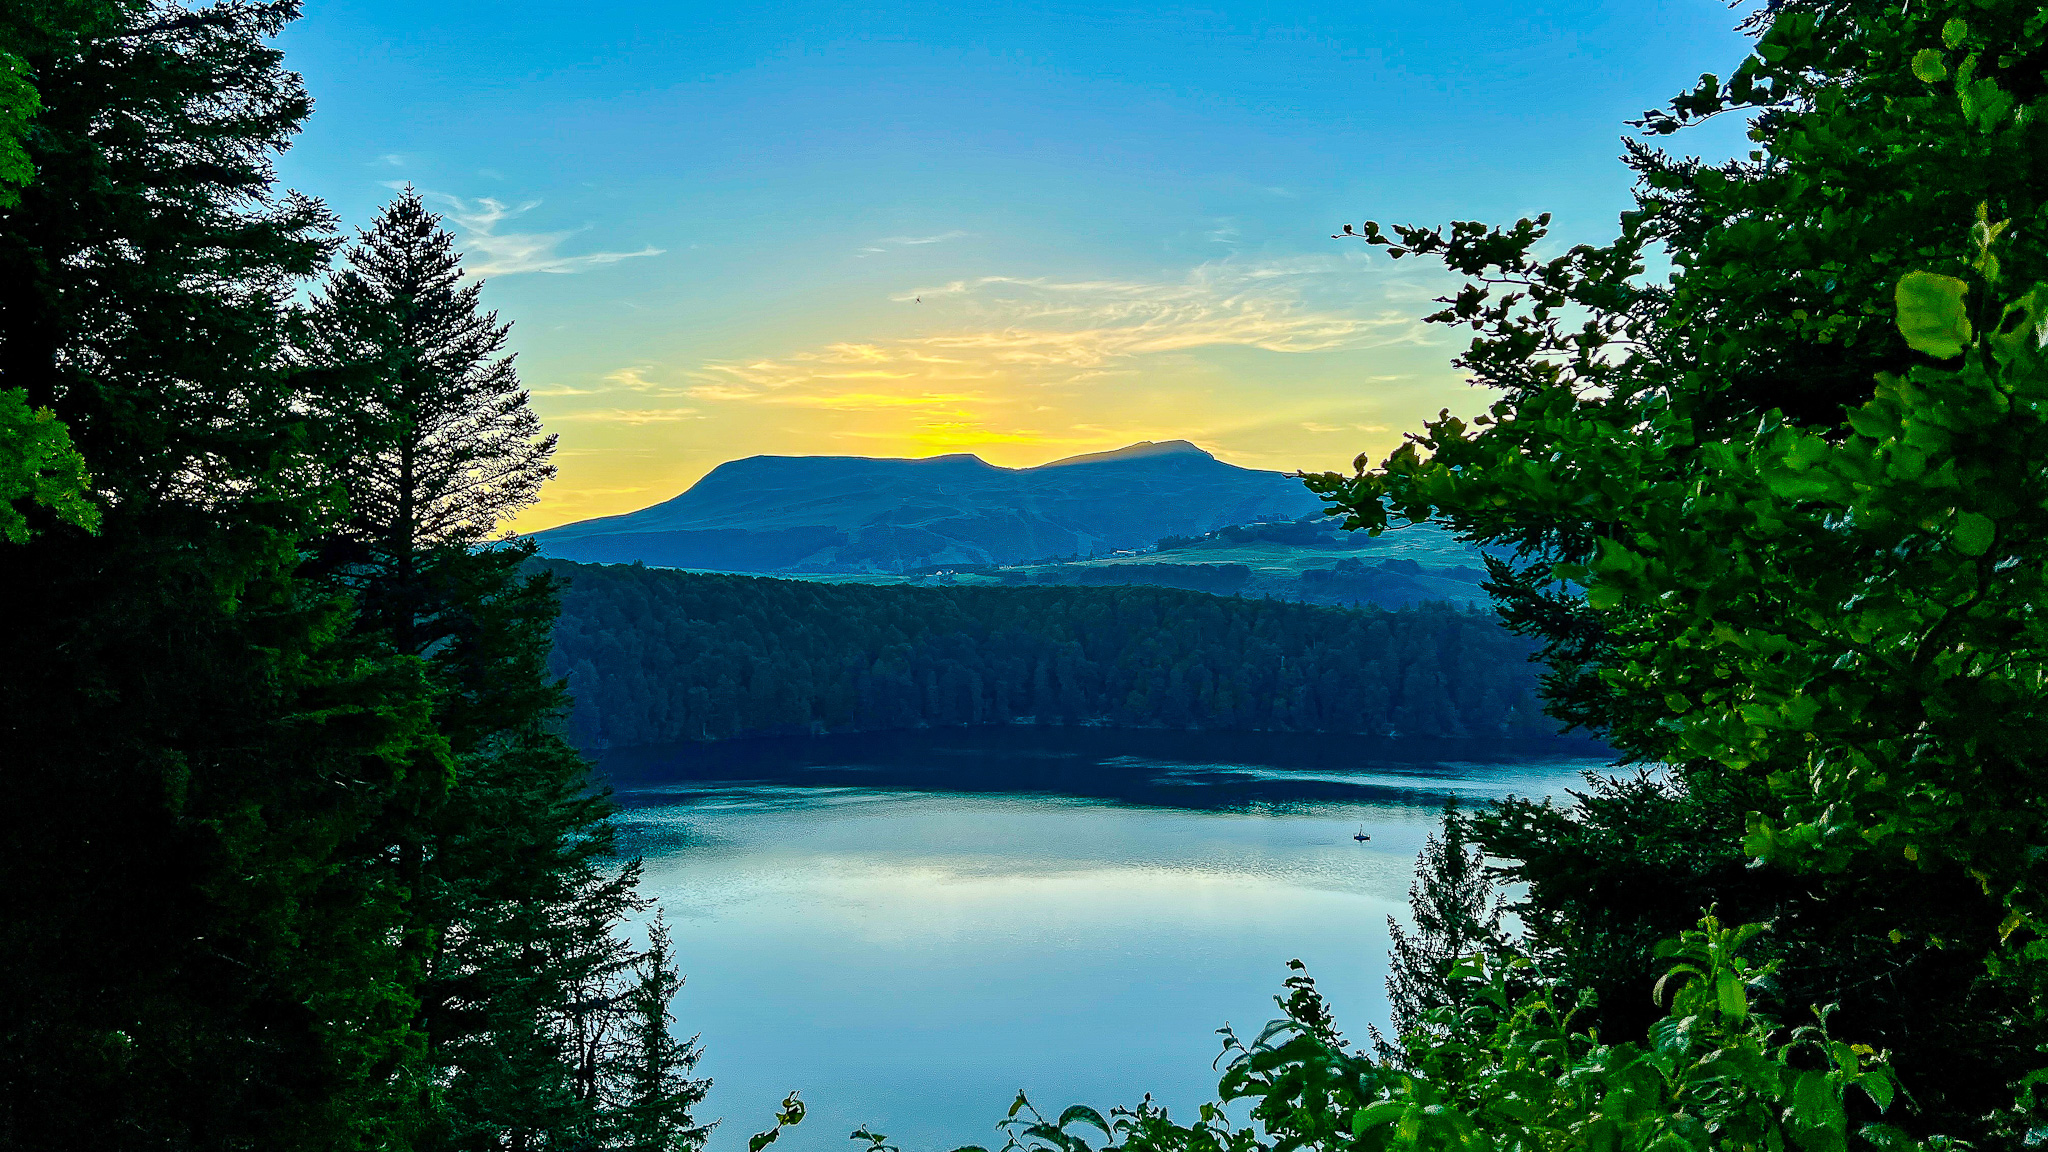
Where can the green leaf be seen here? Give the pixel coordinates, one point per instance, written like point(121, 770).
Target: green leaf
point(1734, 1001)
point(1814, 1103)
point(1886, 1136)
point(2021, 327)
point(1878, 1086)
point(1084, 1112)
point(1384, 1112)
point(1974, 533)
point(1665, 1034)
point(1932, 315)
point(1930, 66)
point(1955, 32)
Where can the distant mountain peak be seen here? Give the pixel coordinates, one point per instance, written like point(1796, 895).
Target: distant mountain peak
point(769, 460)
point(844, 514)
point(1142, 450)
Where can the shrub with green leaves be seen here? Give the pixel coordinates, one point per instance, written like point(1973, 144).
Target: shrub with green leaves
point(1509, 1069)
point(39, 465)
point(1780, 520)
point(1845, 614)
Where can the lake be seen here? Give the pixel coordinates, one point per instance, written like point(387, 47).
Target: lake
point(909, 928)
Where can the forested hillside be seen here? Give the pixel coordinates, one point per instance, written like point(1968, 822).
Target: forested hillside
point(653, 656)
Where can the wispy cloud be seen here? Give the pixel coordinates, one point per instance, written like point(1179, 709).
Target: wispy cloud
point(888, 242)
point(1313, 426)
point(1004, 357)
point(934, 403)
point(632, 415)
point(1091, 323)
point(575, 494)
point(1043, 331)
point(724, 392)
point(491, 250)
point(634, 378)
point(954, 435)
point(637, 399)
point(1415, 291)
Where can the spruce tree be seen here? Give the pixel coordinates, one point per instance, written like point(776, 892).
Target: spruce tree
point(443, 446)
point(196, 954)
point(1457, 909)
point(515, 916)
point(650, 1068)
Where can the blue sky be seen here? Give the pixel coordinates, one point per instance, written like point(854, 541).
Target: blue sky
point(1024, 231)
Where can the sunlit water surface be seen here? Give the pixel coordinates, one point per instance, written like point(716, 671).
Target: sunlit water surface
point(911, 928)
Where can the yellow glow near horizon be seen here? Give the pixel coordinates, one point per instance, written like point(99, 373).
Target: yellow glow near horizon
point(1261, 364)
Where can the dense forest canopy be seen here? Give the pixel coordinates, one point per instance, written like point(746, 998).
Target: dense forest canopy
point(653, 656)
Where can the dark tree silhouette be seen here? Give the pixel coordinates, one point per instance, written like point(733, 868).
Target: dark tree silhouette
point(442, 446)
point(1457, 909)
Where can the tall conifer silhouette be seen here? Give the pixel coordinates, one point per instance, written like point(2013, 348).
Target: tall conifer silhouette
point(1457, 909)
point(194, 953)
point(531, 1005)
point(445, 447)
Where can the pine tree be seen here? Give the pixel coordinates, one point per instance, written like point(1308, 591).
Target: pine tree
point(473, 455)
point(1457, 913)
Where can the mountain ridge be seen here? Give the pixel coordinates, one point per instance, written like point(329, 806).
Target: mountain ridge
point(846, 514)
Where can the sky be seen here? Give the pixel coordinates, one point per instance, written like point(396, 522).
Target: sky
point(1023, 230)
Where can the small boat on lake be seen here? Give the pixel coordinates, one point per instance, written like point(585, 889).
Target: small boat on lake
point(1361, 837)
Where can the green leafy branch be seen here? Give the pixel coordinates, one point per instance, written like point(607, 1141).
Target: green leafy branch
point(39, 465)
point(1507, 1070)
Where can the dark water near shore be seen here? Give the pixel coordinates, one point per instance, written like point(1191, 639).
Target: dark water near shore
point(910, 927)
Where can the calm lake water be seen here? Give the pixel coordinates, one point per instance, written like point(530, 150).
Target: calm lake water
point(910, 928)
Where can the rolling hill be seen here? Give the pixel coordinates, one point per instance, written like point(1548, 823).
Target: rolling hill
point(1308, 561)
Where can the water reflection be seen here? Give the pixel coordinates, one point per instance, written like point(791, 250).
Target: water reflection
point(1154, 768)
point(909, 928)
